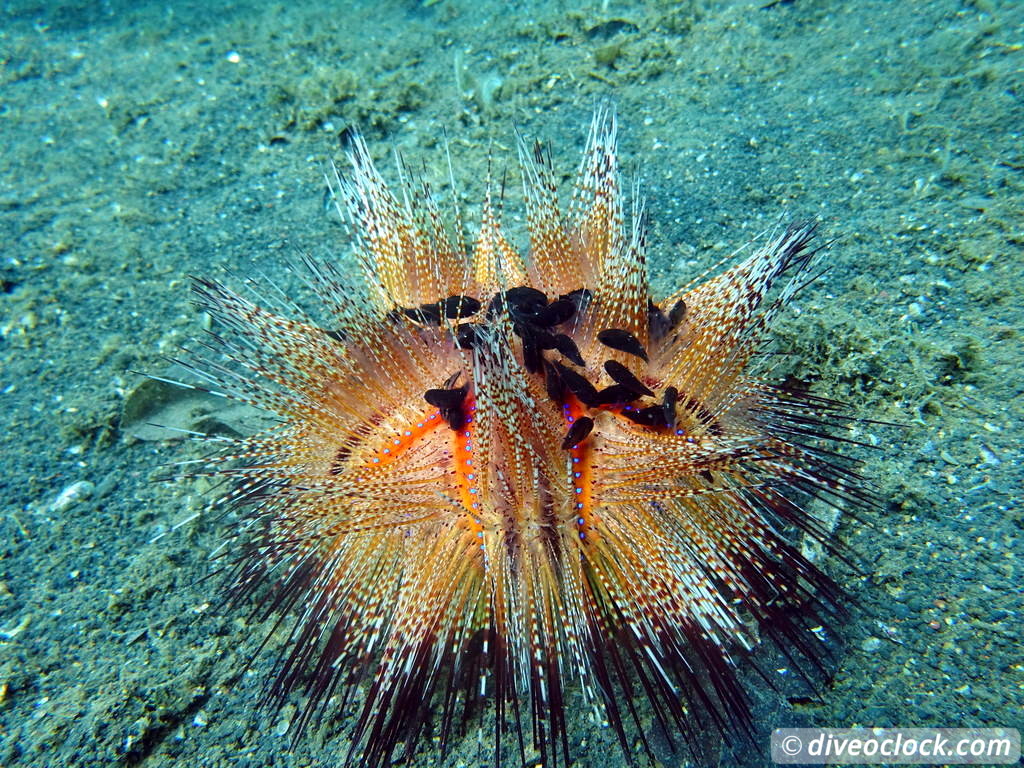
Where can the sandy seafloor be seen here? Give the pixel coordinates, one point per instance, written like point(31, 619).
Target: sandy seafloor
point(143, 142)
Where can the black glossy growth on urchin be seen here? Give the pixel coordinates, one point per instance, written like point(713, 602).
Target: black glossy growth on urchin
point(624, 377)
point(455, 307)
point(623, 341)
point(577, 384)
point(577, 432)
point(567, 347)
point(449, 401)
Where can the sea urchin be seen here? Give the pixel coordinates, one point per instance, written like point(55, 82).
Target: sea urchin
point(500, 481)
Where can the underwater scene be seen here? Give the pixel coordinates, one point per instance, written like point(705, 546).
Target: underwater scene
point(450, 383)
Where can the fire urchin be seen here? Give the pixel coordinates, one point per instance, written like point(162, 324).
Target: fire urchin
point(496, 476)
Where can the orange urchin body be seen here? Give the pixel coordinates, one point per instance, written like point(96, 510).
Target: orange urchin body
point(495, 476)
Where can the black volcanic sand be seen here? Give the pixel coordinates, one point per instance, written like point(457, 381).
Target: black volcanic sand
point(145, 142)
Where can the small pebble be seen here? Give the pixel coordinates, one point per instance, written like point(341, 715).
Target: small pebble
point(871, 644)
point(900, 611)
point(285, 720)
point(106, 486)
point(72, 495)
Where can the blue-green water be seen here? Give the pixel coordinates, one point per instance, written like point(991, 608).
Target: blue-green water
point(146, 142)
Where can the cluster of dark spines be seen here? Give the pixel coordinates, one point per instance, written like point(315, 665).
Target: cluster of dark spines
point(535, 321)
point(627, 389)
point(539, 324)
